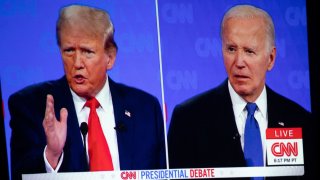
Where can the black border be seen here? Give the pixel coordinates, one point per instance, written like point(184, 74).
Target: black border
point(314, 70)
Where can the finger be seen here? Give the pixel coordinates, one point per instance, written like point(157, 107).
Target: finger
point(50, 103)
point(49, 113)
point(63, 115)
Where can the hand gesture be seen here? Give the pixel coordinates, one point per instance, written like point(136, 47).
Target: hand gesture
point(56, 132)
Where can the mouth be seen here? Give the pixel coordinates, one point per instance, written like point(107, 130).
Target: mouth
point(79, 79)
point(241, 77)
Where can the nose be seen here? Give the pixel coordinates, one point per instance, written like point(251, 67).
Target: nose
point(240, 59)
point(78, 61)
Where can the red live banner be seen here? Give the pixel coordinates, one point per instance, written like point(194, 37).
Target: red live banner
point(284, 133)
point(284, 146)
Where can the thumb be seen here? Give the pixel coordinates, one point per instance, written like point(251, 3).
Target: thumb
point(63, 115)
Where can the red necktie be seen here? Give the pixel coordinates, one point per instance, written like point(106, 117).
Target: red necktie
point(99, 154)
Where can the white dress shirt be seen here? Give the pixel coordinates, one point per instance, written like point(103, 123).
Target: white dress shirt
point(240, 114)
point(107, 121)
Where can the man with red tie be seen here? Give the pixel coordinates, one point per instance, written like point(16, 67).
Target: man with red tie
point(121, 127)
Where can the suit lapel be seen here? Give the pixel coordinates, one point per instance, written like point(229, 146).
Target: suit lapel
point(275, 118)
point(231, 126)
point(124, 120)
point(74, 155)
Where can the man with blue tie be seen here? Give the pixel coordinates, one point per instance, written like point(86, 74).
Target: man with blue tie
point(122, 127)
point(226, 126)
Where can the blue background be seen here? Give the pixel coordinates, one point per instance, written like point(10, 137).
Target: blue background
point(191, 48)
point(190, 52)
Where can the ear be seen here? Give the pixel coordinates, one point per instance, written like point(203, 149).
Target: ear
point(272, 58)
point(111, 57)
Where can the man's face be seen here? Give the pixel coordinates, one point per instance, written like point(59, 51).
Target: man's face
point(85, 61)
point(247, 56)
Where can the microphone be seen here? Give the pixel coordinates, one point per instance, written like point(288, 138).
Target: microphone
point(120, 127)
point(84, 131)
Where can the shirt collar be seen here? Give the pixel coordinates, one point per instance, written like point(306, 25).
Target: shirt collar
point(239, 103)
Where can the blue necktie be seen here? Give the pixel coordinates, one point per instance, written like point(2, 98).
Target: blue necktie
point(252, 140)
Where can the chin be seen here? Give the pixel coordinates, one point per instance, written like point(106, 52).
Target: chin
point(242, 91)
point(80, 90)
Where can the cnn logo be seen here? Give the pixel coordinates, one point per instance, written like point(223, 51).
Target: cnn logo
point(128, 175)
point(278, 149)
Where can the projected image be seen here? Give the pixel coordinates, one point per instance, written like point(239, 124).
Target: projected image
point(164, 89)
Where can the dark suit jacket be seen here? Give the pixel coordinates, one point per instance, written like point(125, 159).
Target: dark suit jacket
point(203, 132)
point(140, 137)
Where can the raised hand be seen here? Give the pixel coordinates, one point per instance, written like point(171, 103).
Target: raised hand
point(56, 132)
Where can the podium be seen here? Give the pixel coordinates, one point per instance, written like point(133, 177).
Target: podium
point(194, 173)
point(74, 176)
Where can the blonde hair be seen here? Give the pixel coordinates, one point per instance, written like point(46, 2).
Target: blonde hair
point(90, 20)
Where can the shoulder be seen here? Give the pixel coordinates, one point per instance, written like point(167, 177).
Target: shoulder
point(130, 93)
point(285, 110)
point(284, 104)
point(209, 98)
point(37, 90)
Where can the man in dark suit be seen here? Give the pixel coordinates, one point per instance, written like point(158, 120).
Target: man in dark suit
point(208, 130)
point(46, 117)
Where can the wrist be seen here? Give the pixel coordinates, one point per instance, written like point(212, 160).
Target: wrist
point(52, 157)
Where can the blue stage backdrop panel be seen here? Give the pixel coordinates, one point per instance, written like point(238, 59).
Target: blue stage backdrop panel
point(191, 48)
point(30, 53)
